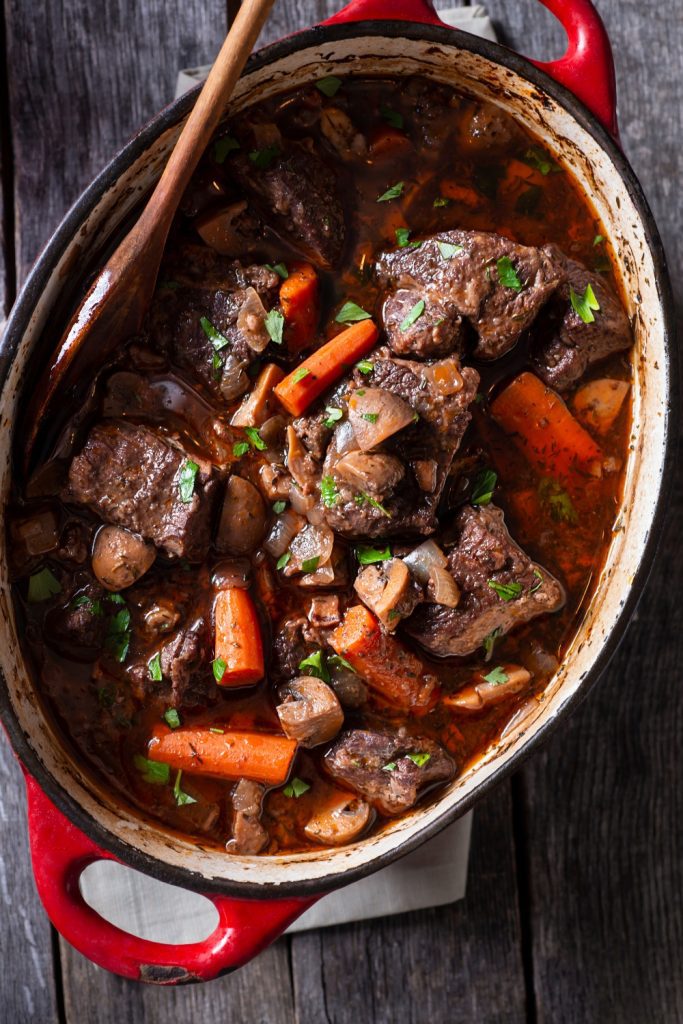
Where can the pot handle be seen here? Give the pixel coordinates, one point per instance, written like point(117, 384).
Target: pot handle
point(586, 69)
point(60, 852)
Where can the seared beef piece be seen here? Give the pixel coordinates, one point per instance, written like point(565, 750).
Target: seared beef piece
point(485, 554)
point(570, 346)
point(75, 543)
point(301, 194)
point(211, 286)
point(401, 506)
point(129, 476)
point(248, 834)
point(78, 629)
point(488, 129)
point(313, 432)
point(431, 107)
point(185, 665)
point(295, 640)
point(359, 757)
point(467, 284)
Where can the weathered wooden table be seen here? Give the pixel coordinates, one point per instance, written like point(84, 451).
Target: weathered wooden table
point(574, 910)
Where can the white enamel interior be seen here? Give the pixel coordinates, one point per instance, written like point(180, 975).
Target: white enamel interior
point(577, 149)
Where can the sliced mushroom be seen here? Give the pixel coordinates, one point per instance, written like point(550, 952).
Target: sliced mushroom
point(426, 474)
point(248, 834)
point(300, 463)
point(388, 590)
point(120, 557)
point(339, 819)
point(234, 381)
point(243, 518)
point(374, 474)
point(324, 611)
point(226, 230)
point(259, 405)
point(275, 481)
point(34, 535)
point(598, 403)
point(312, 714)
point(251, 321)
point(161, 616)
point(376, 414)
point(340, 132)
point(506, 681)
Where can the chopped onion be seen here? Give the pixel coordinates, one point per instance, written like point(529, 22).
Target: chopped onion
point(283, 531)
point(445, 590)
point(272, 430)
point(376, 414)
point(299, 462)
point(445, 375)
point(251, 321)
point(343, 440)
point(322, 577)
point(423, 559)
point(301, 503)
point(313, 542)
point(234, 381)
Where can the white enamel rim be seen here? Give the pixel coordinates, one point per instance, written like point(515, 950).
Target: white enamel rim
point(480, 69)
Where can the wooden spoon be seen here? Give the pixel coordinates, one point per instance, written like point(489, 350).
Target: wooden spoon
point(116, 302)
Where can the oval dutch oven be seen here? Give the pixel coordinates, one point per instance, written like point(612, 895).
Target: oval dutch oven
point(73, 821)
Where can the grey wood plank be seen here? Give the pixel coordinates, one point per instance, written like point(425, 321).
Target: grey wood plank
point(447, 965)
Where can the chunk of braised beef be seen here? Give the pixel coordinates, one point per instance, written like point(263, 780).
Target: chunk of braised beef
point(391, 770)
point(78, 629)
point(567, 345)
point(498, 286)
point(296, 639)
point(137, 478)
point(249, 836)
point(500, 588)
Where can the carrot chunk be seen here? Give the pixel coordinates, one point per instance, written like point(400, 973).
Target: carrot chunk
point(462, 194)
point(315, 374)
point(300, 301)
point(388, 667)
point(388, 143)
point(545, 431)
point(238, 647)
point(263, 757)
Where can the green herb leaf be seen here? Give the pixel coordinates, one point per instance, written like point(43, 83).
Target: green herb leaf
point(217, 339)
point(152, 771)
point(216, 366)
point(181, 798)
point(448, 250)
point(441, 201)
point(333, 416)
point(263, 158)
point(329, 86)
point(483, 487)
point(497, 676)
point(218, 666)
point(392, 193)
point(365, 366)
point(390, 767)
point(419, 759)
point(255, 438)
point(222, 147)
point(43, 585)
point(299, 374)
point(240, 449)
point(537, 158)
point(392, 117)
point(584, 305)
point(115, 599)
point(362, 499)
point(154, 668)
point(402, 239)
point(118, 635)
point(274, 323)
point(188, 472)
point(279, 507)
point(489, 641)
point(414, 314)
point(310, 564)
point(296, 788)
point(507, 275)
point(536, 586)
point(371, 417)
point(598, 240)
point(336, 661)
point(350, 313)
point(328, 491)
point(213, 728)
point(557, 502)
point(506, 591)
point(280, 269)
point(316, 665)
point(283, 560)
point(367, 555)
point(172, 718)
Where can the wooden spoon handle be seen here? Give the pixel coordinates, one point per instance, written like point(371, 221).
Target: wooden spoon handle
point(204, 116)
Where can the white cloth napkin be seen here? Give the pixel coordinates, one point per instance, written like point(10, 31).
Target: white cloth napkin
point(433, 875)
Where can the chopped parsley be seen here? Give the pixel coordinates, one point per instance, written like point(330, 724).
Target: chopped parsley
point(329, 86)
point(538, 159)
point(336, 661)
point(296, 788)
point(350, 313)
point(181, 798)
point(154, 668)
point(188, 473)
point(240, 449)
point(172, 718)
point(507, 275)
point(447, 250)
point(263, 158)
point(118, 635)
point(414, 314)
point(42, 586)
point(316, 665)
point(152, 771)
point(280, 269)
point(489, 642)
point(598, 240)
point(83, 601)
point(255, 439)
point(213, 728)
point(279, 507)
point(222, 147)
point(362, 499)
point(371, 417)
point(419, 759)
point(283, 560)
point(557, 501)
point(217, 339)
point(299, 374)
point(274, 323)
point(216, 366)
point(483, 487)
point(403, 239)
point(328, 491)
point(506, 591)
point(219, 666)
point(365, 366)
point(583, 305)
point(392, 117)
point(441, 201)
point(310, 564)
point(333, 415)
point(536, 586)
point(392, 193)
point(367, 555)
point(390, 767)
point(497, 676)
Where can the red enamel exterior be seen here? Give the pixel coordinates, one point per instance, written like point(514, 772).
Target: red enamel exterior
point(59, 850)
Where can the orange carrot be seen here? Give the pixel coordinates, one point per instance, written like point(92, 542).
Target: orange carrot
point(239, 651)
point(261, 756)
point(520, 175)
point(461, 194)
point(383, 662)
point(545, 431)
point(387, 142)
point(315, 374)
point(300, 303)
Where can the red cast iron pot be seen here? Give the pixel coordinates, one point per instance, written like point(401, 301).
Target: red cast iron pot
point(570, 105)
